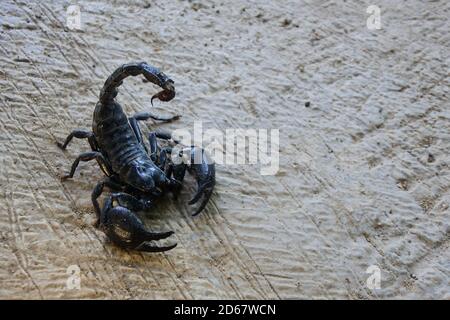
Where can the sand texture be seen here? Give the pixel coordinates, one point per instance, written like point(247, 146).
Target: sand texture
point(364, 174)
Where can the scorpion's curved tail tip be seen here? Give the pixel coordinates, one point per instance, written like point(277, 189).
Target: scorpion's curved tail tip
point(126, 230)
point(151, 100)
point(145, 247)
point(164, 95)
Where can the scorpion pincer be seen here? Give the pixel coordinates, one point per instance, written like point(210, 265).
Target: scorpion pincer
point(135, 175)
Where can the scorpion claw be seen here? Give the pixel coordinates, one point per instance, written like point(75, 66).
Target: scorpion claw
point(126, 230)
point(148, 248)
point(206, 192)
point(203, 169)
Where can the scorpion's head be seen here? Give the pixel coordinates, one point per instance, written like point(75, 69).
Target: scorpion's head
point(144, 177)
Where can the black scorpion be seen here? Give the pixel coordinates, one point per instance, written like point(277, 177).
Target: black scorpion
point(136, 176)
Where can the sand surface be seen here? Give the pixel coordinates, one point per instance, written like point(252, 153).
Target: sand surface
point(364, 174)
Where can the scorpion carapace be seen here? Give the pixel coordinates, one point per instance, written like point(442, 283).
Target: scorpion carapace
point(135, 175)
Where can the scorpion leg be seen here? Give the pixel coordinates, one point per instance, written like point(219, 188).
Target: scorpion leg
point(203, 169)
point(164, 157)
point(79, 134)
point(152, 139)
point(88, 156)
point(142, 116)
point(154, 147)
point(165, 135)
point(124, 228)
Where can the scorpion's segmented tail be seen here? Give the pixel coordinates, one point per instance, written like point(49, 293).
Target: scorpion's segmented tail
point(152, 74)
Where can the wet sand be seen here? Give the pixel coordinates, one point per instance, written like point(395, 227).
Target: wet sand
point(364, 120)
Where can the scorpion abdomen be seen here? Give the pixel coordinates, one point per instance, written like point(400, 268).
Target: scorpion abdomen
point(115, 136)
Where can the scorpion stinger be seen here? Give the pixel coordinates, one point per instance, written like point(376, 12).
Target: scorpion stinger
point(165, 95)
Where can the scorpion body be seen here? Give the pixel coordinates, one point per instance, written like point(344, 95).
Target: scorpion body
point(136, 175)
